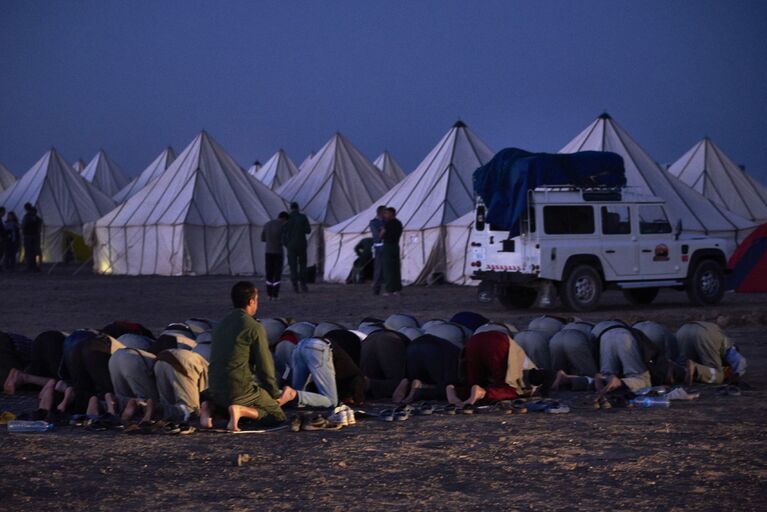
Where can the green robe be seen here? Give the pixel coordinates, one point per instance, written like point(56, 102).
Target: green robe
point(239, 341)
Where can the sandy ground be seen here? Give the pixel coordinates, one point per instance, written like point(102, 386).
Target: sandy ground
point(709, 455)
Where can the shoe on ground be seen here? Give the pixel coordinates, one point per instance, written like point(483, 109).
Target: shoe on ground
point(679, 393)
point(295, 423)
point(320, 423)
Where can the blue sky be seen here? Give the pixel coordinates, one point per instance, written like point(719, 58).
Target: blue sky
point(132, 77)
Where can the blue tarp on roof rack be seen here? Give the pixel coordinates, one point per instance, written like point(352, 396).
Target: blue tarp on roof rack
point(504, 181)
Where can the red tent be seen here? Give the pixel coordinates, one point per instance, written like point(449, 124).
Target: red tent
point(749, 263)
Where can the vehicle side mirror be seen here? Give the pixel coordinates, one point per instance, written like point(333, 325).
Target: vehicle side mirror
point(678, 229)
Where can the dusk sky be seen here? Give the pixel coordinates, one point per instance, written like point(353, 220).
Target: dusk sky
point(132, 77)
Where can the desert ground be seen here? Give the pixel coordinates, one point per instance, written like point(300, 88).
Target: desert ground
point(709, 454)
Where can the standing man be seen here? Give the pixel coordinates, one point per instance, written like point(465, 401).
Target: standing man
point(296, 230)
point(376, 225)
point(391, 233)
point(241, 372)
point(30, 230)
point(272, 235)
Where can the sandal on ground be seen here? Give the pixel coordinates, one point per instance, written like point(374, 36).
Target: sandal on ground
point(386, 415)
point(467, 409)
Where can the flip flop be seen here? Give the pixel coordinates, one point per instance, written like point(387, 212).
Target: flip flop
point(728, 390)
point(467, 409)
point(426, 409)
point(401, 416)
point(386, 415)
point(450, 409)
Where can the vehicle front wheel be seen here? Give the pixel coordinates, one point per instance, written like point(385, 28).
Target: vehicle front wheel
point(517, 297)
point(581, 289)
point(641, 295)
point(705, 286)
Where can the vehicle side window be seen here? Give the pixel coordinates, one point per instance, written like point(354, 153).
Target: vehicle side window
point(653, 220)
point(568, 220)
point(616, 220)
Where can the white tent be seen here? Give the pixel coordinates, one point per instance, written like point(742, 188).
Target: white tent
point(152, 172)
point(698, 214)
point(307, 161)
point(389, 167)
point(709, 171)
point(435, 194)
point(338, 183)
point(105, 174)
point(276, 171)
point(457, 240)
point(203, 215)
point(79, 165)
point(253, 169)
point(7, 179)
point(64, 201)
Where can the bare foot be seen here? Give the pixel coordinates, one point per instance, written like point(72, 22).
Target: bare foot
point(206, 421)
point(47, 389)
point(234, 418)
point(9, 387)
point(477, 393)
point(414, 387)
point(561, 377)
point(69, 394)
point(129, 411)
point(689, 376)
point(288, 394)
point(452, 396)
point(401, 391)
point(111, 403)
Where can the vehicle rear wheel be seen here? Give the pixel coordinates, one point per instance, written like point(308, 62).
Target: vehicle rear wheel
point(517, 297)
point(641, 295)
point(705, 287)
point(581, 289)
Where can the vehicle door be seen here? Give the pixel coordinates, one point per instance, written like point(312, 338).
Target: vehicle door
point(619, 246)
point(659, 253)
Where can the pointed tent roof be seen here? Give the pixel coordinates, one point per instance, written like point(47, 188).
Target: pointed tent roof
point(253, 169)
point(7, 179)
point(698, 214)
point(105, 174)
point(307, 160)
point(152, 171)
point(204, 186)
point(438, 191)
point(389, 167)
point(277, 170)
point(708, 170)
point(79, 165)
point(62, 197)
point(338, 183)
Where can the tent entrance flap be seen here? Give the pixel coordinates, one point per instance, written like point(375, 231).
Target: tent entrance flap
point(503, 183)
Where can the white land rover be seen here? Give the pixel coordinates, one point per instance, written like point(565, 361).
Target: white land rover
point(586, 240)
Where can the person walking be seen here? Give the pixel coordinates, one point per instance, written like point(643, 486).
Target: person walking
point(295, 231)
point(273, 235)
point(391, 233)
point(12, 240)
point(376, 225)
point(31, 226)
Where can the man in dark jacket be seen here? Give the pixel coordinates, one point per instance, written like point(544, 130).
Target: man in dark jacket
point(376, 226)
point(272, 235)
point(391, 233)
point(295, 232)
point(31, 228)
